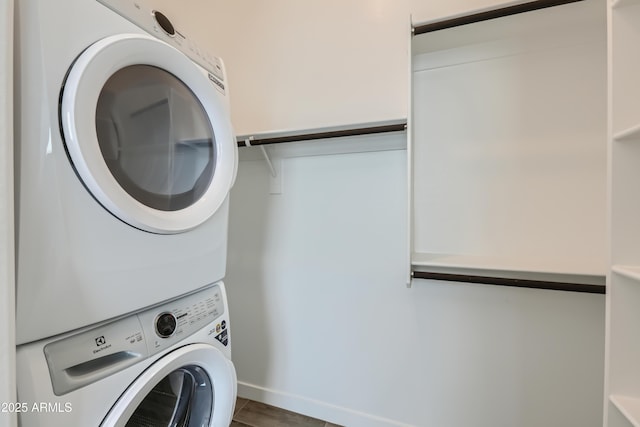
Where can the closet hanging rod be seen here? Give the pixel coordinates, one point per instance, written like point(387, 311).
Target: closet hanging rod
point(518, 283)
point(336, 133)
point(487, 15)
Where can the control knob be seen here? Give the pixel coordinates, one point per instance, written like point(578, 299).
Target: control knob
point(166, 325)
point(164, 23)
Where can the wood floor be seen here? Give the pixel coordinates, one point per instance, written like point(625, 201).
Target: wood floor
point(255, 414)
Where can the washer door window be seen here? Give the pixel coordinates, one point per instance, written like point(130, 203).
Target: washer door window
point(192, 386)
point(184, 398)
point(149, 133)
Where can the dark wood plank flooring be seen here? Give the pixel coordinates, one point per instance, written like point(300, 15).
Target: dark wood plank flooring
point(249, 413)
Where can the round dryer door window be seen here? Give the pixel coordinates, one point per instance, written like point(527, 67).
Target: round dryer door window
point(148, 132)
point(193, 386)
point(155, 137)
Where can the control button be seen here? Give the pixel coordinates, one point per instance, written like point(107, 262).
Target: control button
point(164, 23)
point(165, 325)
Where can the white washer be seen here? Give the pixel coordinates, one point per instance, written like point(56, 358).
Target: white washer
point(125, 156)
point(169, 365)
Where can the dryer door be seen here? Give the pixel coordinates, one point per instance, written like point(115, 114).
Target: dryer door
point(149, 133)
point(192, 386)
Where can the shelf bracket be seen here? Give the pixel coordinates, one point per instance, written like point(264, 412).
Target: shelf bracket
point(275, 165)
point(272, 170)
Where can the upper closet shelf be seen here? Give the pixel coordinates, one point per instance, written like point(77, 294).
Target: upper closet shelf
point(502, 265)
point(427, 27)
point(359, 138)
point(630, 272)
point(629, 407)
point(523, 273)
point(628, 134)
point(277, 137)
point(616, 4)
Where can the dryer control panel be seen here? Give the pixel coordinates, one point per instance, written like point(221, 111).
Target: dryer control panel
point(155, 22)
point(81, 359)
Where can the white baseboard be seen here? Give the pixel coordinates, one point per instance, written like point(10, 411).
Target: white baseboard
point(314, 408)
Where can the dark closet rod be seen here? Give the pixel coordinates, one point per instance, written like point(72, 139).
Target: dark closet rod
point(518, 283)
point(369, 130)
point(490, 14)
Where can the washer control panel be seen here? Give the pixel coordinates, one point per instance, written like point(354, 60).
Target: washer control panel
point(81, 359)
point(172, 322)
point(143, 14)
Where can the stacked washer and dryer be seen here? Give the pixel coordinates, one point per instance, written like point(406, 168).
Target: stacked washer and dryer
point(125, 157)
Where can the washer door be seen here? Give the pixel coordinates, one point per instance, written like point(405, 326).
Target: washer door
point(148, 132)
point(193, 386)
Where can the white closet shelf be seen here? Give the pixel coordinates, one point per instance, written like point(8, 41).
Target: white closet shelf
point(345, 139)
point(338, 131)
point(629, 406)
point(628, 271)
point(454, 263)
point(630, 133)
point(519, 273)
point(616, 4)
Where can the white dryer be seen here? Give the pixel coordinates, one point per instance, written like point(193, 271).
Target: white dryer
point(166, 366)
point(125, 156)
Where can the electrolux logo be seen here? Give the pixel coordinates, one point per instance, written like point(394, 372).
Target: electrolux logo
point(101, 343)
point(216, 81)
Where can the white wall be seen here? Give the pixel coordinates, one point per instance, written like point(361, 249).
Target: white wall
point(7, 322)
point(304, 65)
point(322, 322)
